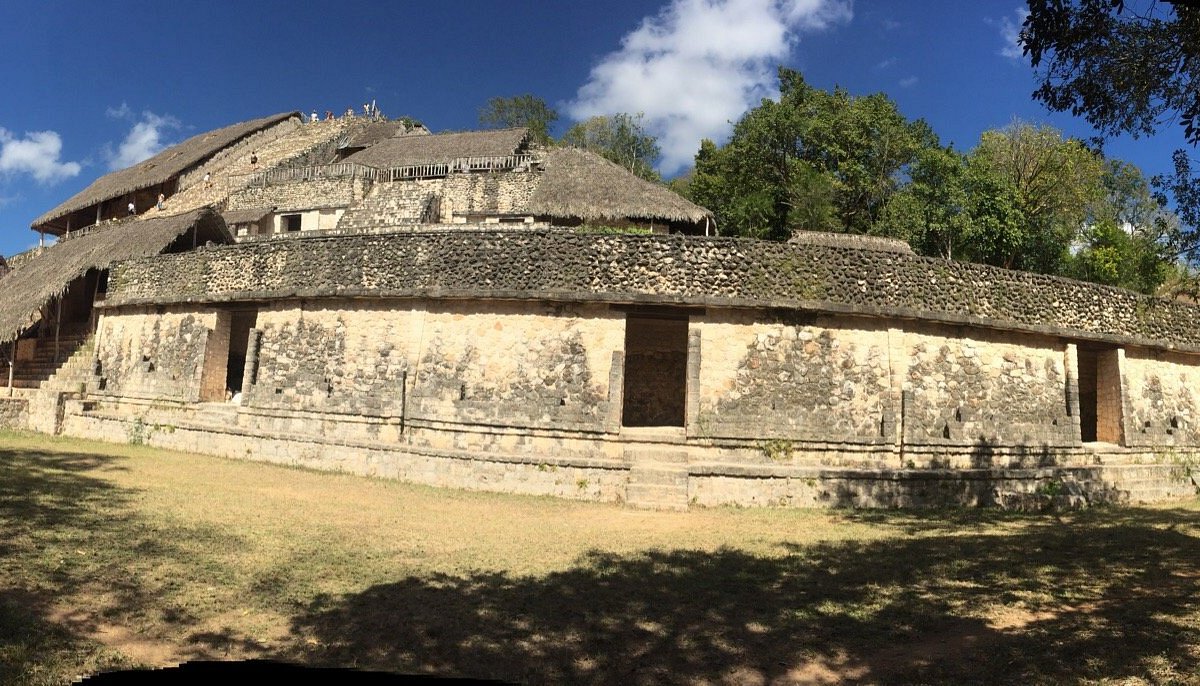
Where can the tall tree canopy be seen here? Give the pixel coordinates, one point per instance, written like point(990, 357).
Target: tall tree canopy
point(1126, 67)
point(1123, 66)
point(813, 160)
point(520, 110)
point(620, 138)
point(1026, 198)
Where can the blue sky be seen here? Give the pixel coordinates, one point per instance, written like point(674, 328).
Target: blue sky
point(91, 86)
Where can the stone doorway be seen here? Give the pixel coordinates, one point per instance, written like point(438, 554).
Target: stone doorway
point(1099, 395)
point(655, 387)
point(225, 354)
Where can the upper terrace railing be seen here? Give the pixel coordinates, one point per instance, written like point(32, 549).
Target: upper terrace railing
point(351, 170)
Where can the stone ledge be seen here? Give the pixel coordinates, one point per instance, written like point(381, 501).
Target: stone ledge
point(663, 270)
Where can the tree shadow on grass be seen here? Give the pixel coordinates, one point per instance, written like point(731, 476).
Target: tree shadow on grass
point(40, 492)
point(75, 555)
point(1045, 602)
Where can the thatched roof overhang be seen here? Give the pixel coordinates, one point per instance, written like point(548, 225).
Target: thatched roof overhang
point(402, 151)
point(39, 279)
point(247, 216)
point(581, 184)
point(373, 133)
point(156, 170)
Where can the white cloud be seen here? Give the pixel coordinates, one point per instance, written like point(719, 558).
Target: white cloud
point(122, 112)
point(889, 62)
point(1010, 33)
point(36, 154)
point(908, 81)
point(145, 138)
point(698, 65)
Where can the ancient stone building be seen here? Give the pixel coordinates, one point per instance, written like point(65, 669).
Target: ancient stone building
point(435, 315)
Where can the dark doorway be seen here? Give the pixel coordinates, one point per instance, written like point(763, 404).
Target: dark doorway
point(655, 370)
point(239, 339)
point(1099, 395)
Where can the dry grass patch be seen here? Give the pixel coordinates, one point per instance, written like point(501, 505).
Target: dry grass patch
point(117, 554)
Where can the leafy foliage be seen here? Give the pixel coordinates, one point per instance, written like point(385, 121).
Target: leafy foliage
point(813, 160)
point(1125, 67)
point(620, 138)
point(520, 110)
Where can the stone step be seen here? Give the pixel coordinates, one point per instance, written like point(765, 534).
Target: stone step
point(656, 497)
point(659, 475)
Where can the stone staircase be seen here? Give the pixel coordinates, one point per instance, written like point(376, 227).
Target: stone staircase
point(399, 203)
point(238, 171)
point(62, 371)
point(658, 477)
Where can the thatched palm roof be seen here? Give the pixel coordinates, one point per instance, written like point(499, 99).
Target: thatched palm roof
point(47, 275)
point(373, 133)
point(578, 183)
point(402, 151)
point(248, 216)
point(160, 168)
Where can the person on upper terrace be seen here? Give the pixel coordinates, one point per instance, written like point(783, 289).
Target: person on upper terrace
point(132, 209)
point(314, 118)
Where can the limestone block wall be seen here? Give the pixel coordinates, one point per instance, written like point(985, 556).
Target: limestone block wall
point(146, 353)
point(515, 364)
point(1161, 398)
point(985, 389)
point(814, 378)
point(332, 358)
point(492, 193)
point(300, 194)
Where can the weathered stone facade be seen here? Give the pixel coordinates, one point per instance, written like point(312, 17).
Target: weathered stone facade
point(423, 357)
point(676, 270)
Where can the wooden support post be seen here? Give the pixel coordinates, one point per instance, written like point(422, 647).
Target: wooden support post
point(57, 324)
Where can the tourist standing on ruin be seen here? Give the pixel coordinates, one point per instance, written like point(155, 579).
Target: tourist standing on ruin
point(161, 199)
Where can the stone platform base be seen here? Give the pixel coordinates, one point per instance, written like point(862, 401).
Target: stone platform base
point(644, 470)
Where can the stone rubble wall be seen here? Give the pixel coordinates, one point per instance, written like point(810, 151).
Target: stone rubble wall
point(488, 194)
point(814, 384)
point(674, 270)
point(1161, 399)
point(146, 353)
point(522, 364)
point(300, 195)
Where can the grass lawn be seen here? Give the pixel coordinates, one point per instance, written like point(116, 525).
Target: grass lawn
point(113, 556)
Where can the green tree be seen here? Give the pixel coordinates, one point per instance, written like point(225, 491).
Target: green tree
point(931, 210)
point(621, 138)
point(1129, 239)
point(1126, 68)
point(525, 110)
point(813, 160)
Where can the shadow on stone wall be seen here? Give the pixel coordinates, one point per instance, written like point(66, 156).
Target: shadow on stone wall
point(1026, 602)
point(983, 455)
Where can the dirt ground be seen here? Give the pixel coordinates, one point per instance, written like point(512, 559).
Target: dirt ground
point(121, 555)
